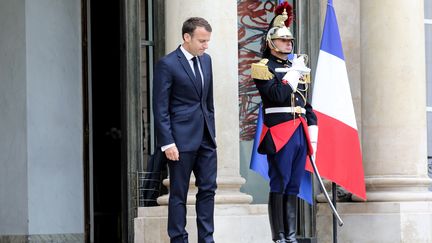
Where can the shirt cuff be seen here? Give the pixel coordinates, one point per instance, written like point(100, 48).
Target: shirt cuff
point(163, 148)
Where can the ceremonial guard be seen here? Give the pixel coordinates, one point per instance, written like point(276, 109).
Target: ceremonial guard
point(290, 128)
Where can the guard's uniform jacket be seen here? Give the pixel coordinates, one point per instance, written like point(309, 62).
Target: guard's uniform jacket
point(284, 110)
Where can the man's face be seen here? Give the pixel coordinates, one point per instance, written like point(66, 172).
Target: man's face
point(198, 42)
point(284, 45)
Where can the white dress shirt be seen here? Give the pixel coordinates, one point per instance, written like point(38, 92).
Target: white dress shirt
point(189, 58)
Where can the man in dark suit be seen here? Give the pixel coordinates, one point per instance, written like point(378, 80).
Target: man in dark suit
point(184, 122)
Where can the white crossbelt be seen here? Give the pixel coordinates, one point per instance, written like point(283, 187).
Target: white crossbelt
point(296, 109)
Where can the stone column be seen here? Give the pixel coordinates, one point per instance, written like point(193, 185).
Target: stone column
point(41, 132)
point(222, 16)
point(394, 100)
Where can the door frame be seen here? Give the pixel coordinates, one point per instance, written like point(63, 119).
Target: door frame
point(132, 155)
point(87, 145)
point(130, 116)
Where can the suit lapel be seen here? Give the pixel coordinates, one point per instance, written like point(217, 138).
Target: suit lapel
point(184, 62)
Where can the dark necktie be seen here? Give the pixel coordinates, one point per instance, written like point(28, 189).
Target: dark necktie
point(198, 79)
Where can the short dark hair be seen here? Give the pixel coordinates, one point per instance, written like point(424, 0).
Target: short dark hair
point(191, 24)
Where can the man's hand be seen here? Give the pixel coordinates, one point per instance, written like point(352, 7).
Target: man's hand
point(172, 153)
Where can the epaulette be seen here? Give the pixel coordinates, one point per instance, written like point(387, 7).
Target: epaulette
point(259, 70)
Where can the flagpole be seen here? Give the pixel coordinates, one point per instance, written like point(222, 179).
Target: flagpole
point(334, 196)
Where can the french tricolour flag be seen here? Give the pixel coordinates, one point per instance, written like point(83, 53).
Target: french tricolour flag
point(338, 155)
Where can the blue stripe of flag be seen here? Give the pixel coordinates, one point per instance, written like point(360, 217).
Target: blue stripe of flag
point(331, 41)
point(259, 161)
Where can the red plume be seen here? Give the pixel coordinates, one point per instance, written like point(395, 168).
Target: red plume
point(289, 9)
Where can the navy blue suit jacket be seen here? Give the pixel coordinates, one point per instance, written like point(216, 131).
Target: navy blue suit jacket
point(181, 111)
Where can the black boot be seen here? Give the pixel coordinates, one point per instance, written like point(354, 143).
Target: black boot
point(275, 208)
point(290, 218)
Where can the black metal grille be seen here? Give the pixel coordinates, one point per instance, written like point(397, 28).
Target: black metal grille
point(149, 188)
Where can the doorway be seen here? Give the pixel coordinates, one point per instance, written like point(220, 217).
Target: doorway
point(105, 199)
point(118, 66)
point(106, 120)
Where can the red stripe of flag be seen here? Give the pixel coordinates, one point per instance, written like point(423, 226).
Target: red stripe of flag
point(339, 157)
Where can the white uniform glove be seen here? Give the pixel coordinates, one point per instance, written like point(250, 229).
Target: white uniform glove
point(295, 72)
point(313, 136)
point(292, 77)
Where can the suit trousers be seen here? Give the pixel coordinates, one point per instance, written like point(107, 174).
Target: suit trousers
point(203, 163)
point(286, 168)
